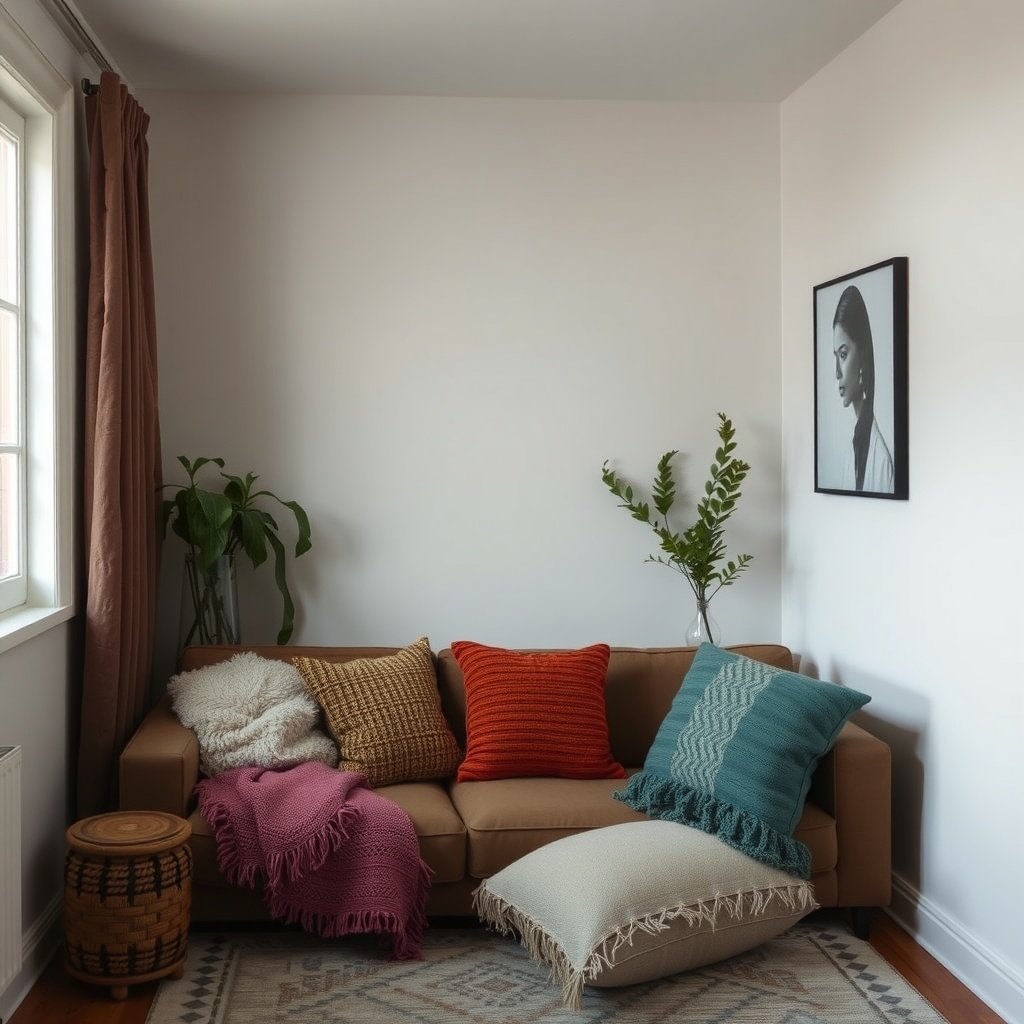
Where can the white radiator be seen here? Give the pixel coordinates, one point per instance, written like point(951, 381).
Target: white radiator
point(10, 864)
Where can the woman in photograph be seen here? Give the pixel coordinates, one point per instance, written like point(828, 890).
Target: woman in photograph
point(869, 462)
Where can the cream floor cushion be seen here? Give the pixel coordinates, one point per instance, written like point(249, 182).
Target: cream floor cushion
point(638, 901)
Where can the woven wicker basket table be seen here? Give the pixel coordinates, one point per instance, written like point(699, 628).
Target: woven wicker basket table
point(127, 888)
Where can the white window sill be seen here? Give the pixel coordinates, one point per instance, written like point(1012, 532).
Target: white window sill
point(23, 623)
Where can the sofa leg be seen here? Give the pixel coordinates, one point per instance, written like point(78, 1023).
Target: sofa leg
point(861, 922)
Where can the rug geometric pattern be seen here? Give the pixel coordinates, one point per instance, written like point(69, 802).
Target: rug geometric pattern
point(814, 974)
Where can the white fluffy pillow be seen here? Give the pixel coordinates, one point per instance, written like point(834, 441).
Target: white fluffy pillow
point(639, 901)
point(250, 711)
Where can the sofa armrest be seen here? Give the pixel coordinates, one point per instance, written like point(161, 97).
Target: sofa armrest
point(853, 783)
point(160, 765)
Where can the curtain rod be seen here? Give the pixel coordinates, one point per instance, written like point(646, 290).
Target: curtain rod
point(89, 88)
point(79, 32)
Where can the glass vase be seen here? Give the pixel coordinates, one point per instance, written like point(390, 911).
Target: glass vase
point(209, 604)
point(703, 629)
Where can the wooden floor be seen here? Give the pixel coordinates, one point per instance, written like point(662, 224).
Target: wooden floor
point(56, 999)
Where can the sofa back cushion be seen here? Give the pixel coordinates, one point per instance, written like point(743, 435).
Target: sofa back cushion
point(642, 682)
point(200, 657)
point(638, 695)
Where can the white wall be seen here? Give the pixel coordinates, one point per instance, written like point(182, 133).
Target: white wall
point(39, 678)
point(36, 681)
point(910, 143)
point(431, 320)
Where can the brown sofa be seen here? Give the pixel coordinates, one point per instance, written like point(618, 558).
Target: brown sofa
point(470, 830)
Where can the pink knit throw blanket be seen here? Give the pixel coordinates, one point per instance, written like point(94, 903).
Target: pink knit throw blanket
point(332, 854)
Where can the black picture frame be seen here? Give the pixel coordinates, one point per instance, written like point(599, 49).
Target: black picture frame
point(860, 382)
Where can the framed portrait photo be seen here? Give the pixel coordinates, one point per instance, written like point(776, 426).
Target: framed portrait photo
point(860, 382)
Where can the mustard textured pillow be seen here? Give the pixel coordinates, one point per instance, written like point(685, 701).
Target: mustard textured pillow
point(385, 714)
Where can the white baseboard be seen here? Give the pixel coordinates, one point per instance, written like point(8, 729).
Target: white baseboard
point(39, 944)
point(995, 981)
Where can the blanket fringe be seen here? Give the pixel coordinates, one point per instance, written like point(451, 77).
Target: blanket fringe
point(671, 800)
point(289, 865)
point(287, 868)
point(228, 860)
point(406, 936)
point(310, 855)
point(544, 949)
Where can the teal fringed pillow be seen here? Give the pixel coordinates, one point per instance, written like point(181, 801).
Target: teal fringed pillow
point(736, 752)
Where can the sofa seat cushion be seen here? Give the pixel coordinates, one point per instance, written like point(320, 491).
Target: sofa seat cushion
point(440, 829)
point(508, 818)
point(441, 833)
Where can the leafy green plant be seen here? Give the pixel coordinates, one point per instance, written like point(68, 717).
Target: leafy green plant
point(698, 550)
point(217, 524)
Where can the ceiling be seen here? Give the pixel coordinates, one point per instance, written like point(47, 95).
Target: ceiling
point(756, 50)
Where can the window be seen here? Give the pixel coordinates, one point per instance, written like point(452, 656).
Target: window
point(12, 359)
point(37, 338)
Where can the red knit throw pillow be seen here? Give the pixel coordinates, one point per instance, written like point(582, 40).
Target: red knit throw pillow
point(530, 714)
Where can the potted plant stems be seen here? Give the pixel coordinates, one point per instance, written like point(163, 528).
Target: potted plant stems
point(216, 525)
point(697, 551)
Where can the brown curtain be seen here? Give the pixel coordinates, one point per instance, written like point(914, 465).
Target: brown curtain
point(122, 441)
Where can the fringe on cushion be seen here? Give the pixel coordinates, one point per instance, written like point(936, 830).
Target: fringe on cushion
point(544, 949)
point(541, 947)
point(670, 800)
point(406, 935)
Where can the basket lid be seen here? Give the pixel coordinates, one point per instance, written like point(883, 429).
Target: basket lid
point(128, 833)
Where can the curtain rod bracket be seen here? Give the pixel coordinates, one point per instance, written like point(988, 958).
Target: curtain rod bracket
point(89, 88)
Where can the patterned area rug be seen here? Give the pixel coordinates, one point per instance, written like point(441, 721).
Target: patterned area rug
point(814, 974)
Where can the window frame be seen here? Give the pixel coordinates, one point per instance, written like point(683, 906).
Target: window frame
point(54, 259)
point(14, 588)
